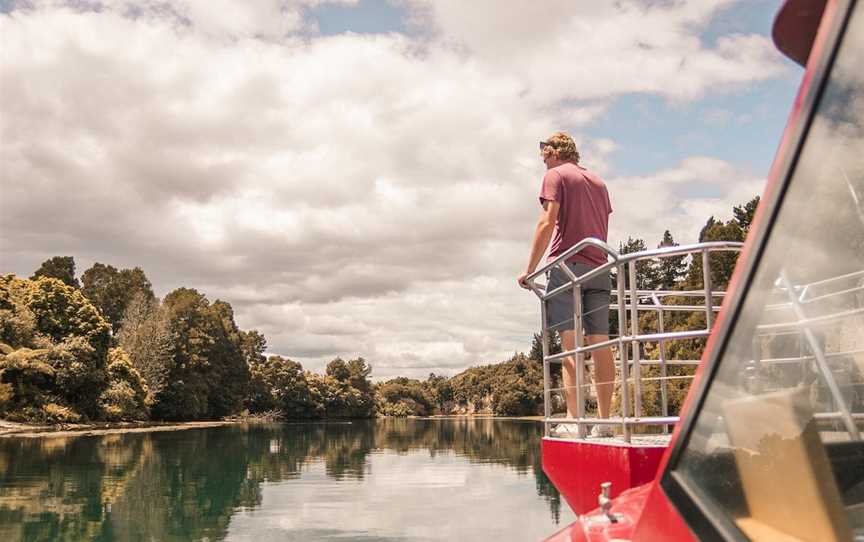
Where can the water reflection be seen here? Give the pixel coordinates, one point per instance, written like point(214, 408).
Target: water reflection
point(188, 485)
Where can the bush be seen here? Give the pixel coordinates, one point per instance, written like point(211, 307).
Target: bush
point(27, 378)
point(54, 413)
point(404, 397)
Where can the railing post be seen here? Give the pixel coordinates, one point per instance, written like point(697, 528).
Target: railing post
point(622, 351)
point(579, 357)
point(706, 278)
point(634, 330)
point(547, 380)
point(664, 393)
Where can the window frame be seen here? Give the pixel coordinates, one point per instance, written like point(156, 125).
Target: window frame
point(703, 517)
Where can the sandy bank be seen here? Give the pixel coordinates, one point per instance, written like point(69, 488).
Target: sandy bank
point(12, 429)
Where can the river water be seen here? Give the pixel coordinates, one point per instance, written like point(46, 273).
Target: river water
point(376, 480)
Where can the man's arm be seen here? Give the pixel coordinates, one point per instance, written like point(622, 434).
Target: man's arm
point(542, 235)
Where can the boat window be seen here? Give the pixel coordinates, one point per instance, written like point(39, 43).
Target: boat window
point(777, 449)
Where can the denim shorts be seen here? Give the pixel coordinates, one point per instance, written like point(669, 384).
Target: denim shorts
point(595, 301)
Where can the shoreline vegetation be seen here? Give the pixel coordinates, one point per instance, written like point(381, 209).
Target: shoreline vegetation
point(102, 351)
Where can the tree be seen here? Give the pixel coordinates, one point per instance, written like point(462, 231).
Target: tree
point(744, 213)
point(647, 273)
point(208, 373)
point(359, 371)
point(722, 263)
point(253, 344)
point(670, 269)
point(111, 290)
point(58, 267)
point(517, 387)
point(404, 397)
point(146, 337)
point(230, 371)
point(17, 322)
point(126, 395)
point(440, 391)
point(536, 352)
point(338, 369)
point(57, 366)
point(279, 383)
point(710, 223)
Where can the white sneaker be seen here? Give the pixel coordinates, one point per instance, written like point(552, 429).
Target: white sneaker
point(566, 430)
point(602, 430)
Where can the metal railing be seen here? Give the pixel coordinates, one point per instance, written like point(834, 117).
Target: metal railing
point(802, 311)
point(806, 311)
point(628, 302)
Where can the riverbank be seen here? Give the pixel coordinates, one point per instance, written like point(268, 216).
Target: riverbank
point(23, 430)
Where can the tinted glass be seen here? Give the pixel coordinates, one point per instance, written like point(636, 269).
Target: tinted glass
point(777, 447)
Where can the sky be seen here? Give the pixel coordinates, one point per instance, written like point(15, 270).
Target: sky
point(360, 177)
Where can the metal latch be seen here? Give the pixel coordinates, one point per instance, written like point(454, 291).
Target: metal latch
point(605, 501)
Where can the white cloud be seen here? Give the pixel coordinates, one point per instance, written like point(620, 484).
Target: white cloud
point(679, 199)
point(349, 194)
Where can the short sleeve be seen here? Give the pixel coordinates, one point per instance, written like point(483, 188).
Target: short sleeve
point(552, 187)
point(608, 203)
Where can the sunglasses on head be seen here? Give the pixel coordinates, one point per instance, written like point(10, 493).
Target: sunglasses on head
point(544, 144)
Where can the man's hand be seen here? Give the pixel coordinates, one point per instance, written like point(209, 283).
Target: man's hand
point(522, 282)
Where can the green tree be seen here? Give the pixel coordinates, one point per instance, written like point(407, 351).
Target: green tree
point(111, 290)
point(279, 383)
point(744, 213)
point(440, 391)
point(17, 322)
point(536, 352)
point(671, 269)
point(253, 344)
point(126, 395)
point(359, 371)
point(338, 369)
point(722, 263)
point(708, 225)
point(146, 337)
point(55, 364)
point(517, 387)
point(58, 267)
point(647, 273)
point(403, 396)
point(208, 375)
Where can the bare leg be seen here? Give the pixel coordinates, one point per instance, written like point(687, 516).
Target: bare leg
point(568, 372)
point(604, 374)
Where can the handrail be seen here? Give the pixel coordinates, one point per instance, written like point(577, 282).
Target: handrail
point(618, 259)
point(630, 302)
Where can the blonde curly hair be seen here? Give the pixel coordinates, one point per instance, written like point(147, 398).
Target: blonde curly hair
point(561, 146)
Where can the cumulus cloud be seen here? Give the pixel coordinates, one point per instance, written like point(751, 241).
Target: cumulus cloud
point(349, 194)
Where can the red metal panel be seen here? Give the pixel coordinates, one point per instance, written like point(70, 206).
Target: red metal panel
point(577, 468)
point(591, 528)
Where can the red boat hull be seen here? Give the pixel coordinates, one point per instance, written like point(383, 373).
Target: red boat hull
point(577, 468)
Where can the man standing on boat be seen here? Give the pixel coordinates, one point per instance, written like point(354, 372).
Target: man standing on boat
point(575, 206)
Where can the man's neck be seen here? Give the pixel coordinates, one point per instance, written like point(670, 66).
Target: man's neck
point(556, 162)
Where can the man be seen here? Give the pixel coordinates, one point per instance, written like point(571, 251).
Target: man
point(575, 206)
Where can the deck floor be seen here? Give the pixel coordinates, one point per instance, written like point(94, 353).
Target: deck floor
point(618, 440)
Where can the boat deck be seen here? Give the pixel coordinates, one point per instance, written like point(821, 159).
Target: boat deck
point(652, 441)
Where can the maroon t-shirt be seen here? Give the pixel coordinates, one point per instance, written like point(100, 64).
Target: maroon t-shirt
point(584, 210)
